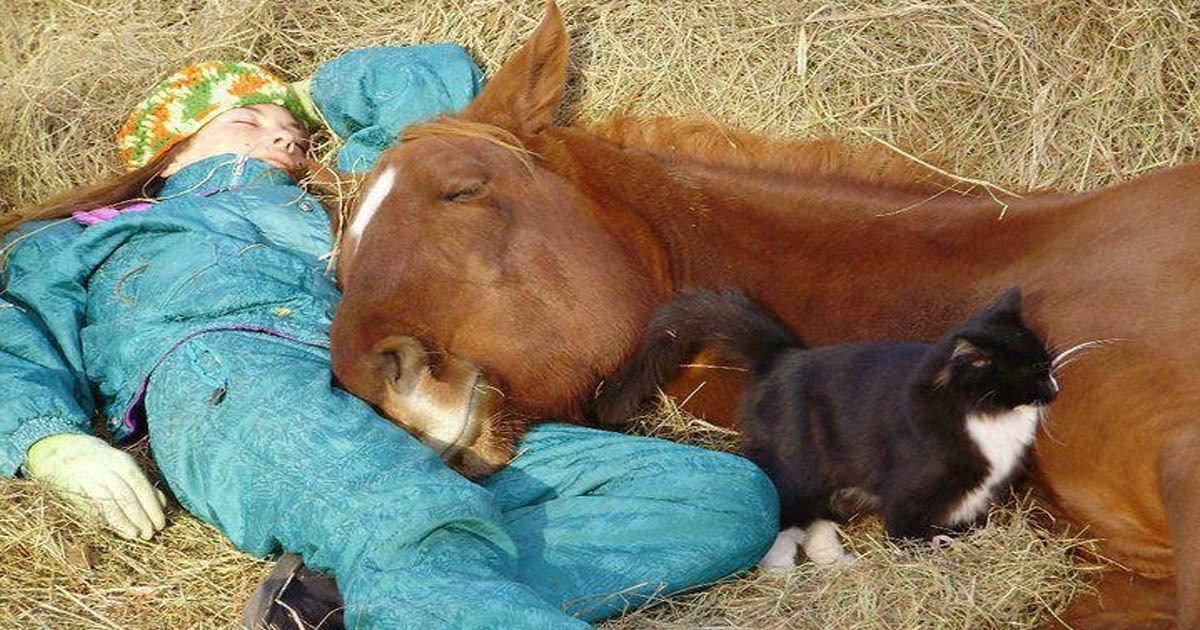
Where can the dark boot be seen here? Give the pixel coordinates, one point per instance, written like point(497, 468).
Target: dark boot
point(294, 598)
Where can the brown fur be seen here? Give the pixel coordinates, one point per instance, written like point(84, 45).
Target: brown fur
point(141, 183)
point(713, 145)
point(544, 278)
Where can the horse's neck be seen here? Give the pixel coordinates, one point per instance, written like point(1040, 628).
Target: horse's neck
point(863, 261)
point(853, 260)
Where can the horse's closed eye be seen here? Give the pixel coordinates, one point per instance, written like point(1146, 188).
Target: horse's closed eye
point(466, 192)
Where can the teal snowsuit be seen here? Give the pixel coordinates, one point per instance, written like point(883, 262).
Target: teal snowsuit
point(204, 321)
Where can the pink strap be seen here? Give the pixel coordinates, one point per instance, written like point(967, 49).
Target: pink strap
point(100, 215)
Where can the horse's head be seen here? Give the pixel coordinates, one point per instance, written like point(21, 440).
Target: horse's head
point(476, 277)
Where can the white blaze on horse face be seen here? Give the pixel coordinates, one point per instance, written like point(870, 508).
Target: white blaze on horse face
point(379, 191)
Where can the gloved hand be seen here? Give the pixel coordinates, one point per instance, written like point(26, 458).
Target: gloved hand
point(100, 480)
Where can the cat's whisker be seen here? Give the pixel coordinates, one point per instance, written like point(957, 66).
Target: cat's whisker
point(1044, 424)
point(1058, 360)
point(1056, 370)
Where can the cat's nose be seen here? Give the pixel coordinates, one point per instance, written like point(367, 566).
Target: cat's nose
point(1049, 388)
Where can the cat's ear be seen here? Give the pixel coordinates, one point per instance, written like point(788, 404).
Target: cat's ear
point(962, 353)
point(969, 353)
point(1010, 302)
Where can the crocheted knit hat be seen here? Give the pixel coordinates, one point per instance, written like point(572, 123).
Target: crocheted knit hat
point(186, 100)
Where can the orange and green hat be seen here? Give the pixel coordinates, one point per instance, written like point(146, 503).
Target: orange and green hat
point(186, 100)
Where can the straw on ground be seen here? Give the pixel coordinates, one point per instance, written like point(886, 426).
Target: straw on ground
point(1063, 93)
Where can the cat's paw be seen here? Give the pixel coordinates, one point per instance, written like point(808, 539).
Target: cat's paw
point(831, 557)
point(822, 546)
point(781, 557)
point(779, 563)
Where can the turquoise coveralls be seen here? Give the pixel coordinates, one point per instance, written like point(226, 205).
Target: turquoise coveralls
point(204, 323)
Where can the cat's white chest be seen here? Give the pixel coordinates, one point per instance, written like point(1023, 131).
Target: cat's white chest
point(1003, 441)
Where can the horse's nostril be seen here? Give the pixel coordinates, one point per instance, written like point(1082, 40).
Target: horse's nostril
point(401, 360)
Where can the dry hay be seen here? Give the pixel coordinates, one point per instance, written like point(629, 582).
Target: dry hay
point(61, 572)
point(1068, 94)
point(1009, 574)
point(1006, 575)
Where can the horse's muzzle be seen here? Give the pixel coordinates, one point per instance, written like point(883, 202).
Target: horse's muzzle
point(444, 401)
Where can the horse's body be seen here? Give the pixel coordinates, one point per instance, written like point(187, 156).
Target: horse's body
point(537, 277)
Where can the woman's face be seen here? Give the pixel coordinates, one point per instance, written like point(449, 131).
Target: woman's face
point(267, 132)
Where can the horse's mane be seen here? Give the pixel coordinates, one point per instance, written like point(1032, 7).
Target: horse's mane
point(710, 144)
point(450, 126)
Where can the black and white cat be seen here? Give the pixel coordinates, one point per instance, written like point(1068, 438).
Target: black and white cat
point(927, 433)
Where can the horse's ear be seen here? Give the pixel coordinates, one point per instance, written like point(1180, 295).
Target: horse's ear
point(525, 93)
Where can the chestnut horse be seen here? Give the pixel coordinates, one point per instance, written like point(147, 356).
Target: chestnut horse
point(498, 267)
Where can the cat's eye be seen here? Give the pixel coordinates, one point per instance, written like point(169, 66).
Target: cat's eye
point(979, 363)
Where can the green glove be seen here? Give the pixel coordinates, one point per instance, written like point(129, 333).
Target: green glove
point(99, 480)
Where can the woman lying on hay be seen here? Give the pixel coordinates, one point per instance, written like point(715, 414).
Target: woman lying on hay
point(188, 300)
point(888, 587)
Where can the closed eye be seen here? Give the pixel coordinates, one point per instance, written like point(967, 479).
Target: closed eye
point(468, 192)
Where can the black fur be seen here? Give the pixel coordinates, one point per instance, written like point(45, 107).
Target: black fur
point(729, 323)
point(884, 417)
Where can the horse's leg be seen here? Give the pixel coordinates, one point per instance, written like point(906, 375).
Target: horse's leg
point(1121, 601)
point(1124, 601)
point(1117, 599)
point(1101, 461)
point(1179, 474)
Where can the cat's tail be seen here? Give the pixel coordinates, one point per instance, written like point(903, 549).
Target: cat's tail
point(737, 329)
